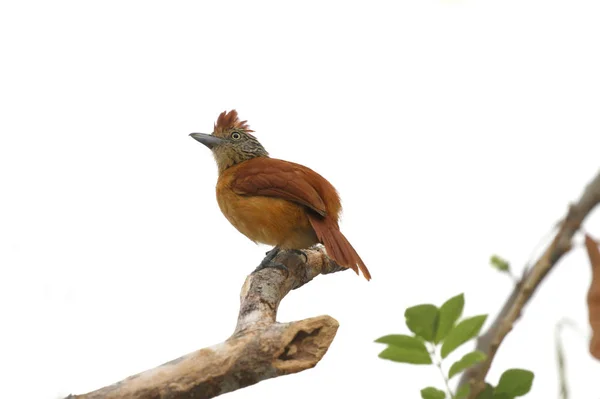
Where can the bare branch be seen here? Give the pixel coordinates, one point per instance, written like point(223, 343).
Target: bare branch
point(511, 311)
point(259, 349)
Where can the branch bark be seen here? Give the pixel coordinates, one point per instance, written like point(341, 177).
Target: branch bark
point(524, 289)
point(259, 349)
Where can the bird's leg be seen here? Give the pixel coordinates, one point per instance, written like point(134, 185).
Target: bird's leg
point(271, 254)
point(268, 261)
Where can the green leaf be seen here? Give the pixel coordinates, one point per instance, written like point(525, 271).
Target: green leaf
point(422, 320)
point(500, 263)
point(464, 331)
point(463, 391)
point(404, 349)
point(432, 393)
point(402, 355)
point(487, 393)
point(465, 362)
point(514, 382)
point(449, 313)
point(403, 341)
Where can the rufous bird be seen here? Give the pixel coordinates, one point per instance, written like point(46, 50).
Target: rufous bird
point(272, 201)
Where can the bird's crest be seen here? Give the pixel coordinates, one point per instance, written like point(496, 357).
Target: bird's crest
point(229, 120)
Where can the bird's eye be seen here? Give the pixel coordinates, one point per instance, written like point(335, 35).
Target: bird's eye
point(236, 136)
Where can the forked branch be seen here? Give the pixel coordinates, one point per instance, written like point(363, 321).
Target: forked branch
point(260, 348)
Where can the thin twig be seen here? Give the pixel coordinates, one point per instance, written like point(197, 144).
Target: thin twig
point(560, 355)
point(438, 363)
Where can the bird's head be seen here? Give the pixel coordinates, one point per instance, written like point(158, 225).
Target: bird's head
point(231, 141)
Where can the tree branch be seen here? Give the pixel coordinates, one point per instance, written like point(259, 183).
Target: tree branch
point(524, 289)
point(260, 348)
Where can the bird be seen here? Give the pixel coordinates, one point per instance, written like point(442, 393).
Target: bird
point(272, 201)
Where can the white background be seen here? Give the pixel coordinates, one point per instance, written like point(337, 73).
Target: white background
point(452, 129)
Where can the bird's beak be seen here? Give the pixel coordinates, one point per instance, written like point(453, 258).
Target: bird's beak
point(207, 139)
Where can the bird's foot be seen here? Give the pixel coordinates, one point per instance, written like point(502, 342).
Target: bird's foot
point(271, 264)
point(268, 262)
point(271, 255)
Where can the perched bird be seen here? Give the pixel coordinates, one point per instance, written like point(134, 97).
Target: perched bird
point(272, 201)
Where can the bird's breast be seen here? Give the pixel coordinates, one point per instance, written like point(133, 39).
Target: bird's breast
point(267, 220)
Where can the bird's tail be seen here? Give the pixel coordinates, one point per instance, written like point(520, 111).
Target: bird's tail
point(337, 246)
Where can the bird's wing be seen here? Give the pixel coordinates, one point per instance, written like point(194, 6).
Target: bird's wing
point(280, 179)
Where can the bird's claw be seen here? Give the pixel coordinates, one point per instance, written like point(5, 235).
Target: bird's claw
point(300, 252)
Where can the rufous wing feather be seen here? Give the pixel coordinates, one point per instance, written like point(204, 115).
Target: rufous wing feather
point(338, 247)
point(274, 178)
